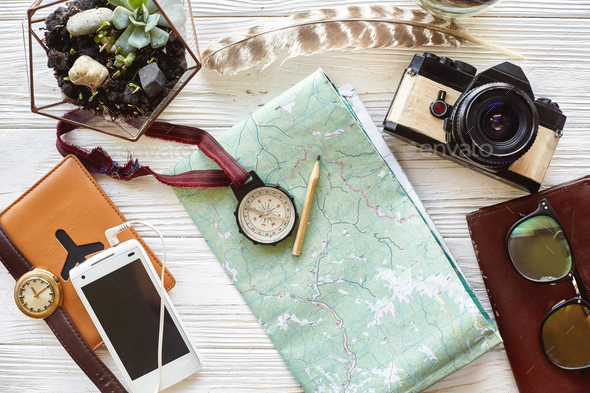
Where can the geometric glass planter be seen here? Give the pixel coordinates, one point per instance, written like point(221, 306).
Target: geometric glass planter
point(46, 96)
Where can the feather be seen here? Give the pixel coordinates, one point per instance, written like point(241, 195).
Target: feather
point(322, 30)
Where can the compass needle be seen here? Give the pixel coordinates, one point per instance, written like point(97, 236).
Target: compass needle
point(256, 210)
point(276, 217)
point(266, 214)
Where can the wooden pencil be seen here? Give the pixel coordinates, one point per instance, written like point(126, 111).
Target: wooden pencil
point(307, 203)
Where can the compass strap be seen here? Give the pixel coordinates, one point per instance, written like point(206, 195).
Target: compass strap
point(98, 160)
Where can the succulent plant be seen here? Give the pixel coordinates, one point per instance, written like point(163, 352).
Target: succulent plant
point(126, 61)
point(105, 36)
point(140, 18)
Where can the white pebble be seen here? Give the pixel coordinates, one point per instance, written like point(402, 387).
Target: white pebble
point(88, 72)
point(89, 21)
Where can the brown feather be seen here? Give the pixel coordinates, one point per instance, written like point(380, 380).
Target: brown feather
point(322, 30)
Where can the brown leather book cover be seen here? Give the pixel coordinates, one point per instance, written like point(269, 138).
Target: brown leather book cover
point(519, 305)
point(60, 221)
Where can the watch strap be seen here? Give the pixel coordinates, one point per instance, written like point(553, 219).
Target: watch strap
point(68, 335)
point(14, 260)
point(61, 324)
point(99, 161)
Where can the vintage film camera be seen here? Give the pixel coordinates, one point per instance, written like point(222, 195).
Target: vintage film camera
point(490, 123)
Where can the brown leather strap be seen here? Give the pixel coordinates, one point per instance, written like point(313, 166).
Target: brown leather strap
point(67, 334)
point(62, 325)
point(16, 263)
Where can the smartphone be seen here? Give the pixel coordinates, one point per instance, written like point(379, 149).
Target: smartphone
point(120, 290)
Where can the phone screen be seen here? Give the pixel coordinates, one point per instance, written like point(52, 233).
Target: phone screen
point(127, 305)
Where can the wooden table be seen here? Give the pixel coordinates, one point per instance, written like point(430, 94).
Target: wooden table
point(554, 36)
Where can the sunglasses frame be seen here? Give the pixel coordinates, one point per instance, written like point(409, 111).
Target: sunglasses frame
point(545, 209)
point(575, 301)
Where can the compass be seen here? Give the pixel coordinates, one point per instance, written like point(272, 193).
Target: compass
point(265, 214)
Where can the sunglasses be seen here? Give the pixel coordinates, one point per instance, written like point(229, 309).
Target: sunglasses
point(540, 252)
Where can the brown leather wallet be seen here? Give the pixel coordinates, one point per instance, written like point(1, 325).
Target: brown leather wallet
point(59, 219)
point(519, 305)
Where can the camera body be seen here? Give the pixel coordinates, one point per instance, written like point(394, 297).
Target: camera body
point(489, 122)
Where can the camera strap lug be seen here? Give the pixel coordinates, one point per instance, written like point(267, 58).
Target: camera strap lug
point(558, 133)
point(447, 125)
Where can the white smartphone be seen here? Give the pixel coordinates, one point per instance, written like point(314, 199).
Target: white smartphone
point(120, 290)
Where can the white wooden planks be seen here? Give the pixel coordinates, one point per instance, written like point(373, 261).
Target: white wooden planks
point(238, 355)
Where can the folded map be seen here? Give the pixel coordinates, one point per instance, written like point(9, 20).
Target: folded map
point(374, 303)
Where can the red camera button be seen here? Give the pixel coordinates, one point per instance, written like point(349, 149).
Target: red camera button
point(439, 108)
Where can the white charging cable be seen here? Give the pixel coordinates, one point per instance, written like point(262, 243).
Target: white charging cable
point(111, 235)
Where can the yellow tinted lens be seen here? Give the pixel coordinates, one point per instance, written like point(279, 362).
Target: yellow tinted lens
point(566, 336)
point(539, 250)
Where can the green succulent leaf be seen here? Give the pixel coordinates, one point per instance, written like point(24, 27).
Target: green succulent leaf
point(139, 38)
point(140, 18)
point(176, 15)
point(146, 13)
point(158, 37)
point(121, 17)
point(120, 3)
point(123, 42)
point(134, 4)
point(137, 23)
point(152, 21)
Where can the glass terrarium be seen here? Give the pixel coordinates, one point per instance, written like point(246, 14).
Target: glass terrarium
point(109, 65)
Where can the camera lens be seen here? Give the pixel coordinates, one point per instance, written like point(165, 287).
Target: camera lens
point(500, 121)
point(494, 125)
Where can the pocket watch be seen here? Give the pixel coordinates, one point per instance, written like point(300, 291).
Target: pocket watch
point(265, 214)
point(38, 293)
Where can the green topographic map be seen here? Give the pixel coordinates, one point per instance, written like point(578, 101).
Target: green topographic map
point(373, 304)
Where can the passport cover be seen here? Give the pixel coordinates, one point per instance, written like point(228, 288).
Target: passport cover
point(519, 305)
point(60, 221)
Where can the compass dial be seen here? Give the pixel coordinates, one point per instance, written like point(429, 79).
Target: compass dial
point(266, 215)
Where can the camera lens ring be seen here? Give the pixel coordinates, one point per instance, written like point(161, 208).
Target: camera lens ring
point(499, 139)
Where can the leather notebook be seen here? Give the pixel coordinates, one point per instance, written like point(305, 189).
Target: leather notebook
point(519, 305)
point(59, 222)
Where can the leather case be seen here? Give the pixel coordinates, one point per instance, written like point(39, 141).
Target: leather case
point(59, 222)
point(520, 306)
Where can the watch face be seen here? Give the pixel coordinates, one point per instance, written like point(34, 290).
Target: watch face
point(37, 293)
point(266, 215)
